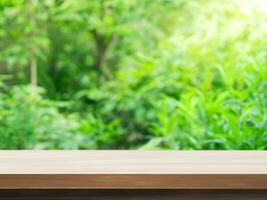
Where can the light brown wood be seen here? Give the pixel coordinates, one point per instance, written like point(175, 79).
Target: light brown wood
point(133, 181)
point(133, 170)
point(133, 162)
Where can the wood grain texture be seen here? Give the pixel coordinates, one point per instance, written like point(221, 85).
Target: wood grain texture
point(133, 194)
point(133, 169)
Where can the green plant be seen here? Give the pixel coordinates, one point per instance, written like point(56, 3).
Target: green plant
point(135, 74)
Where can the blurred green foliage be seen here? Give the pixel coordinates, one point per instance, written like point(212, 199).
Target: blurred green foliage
point(133, 74)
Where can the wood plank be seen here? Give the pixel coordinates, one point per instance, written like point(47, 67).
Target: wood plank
point(133, 169)
point(133, 194)
point(138, 181)
point(133, 162)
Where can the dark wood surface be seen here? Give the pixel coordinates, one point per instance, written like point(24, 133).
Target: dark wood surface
point(136, 181)
point(133, 170)
point(133, 194)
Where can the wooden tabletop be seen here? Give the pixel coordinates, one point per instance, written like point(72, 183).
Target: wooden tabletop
point(133, 169)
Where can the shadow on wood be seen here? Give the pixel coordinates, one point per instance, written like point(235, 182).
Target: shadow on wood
point(133, 194)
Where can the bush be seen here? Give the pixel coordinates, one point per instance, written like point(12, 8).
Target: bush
point(27, 121)
point(134, 74)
